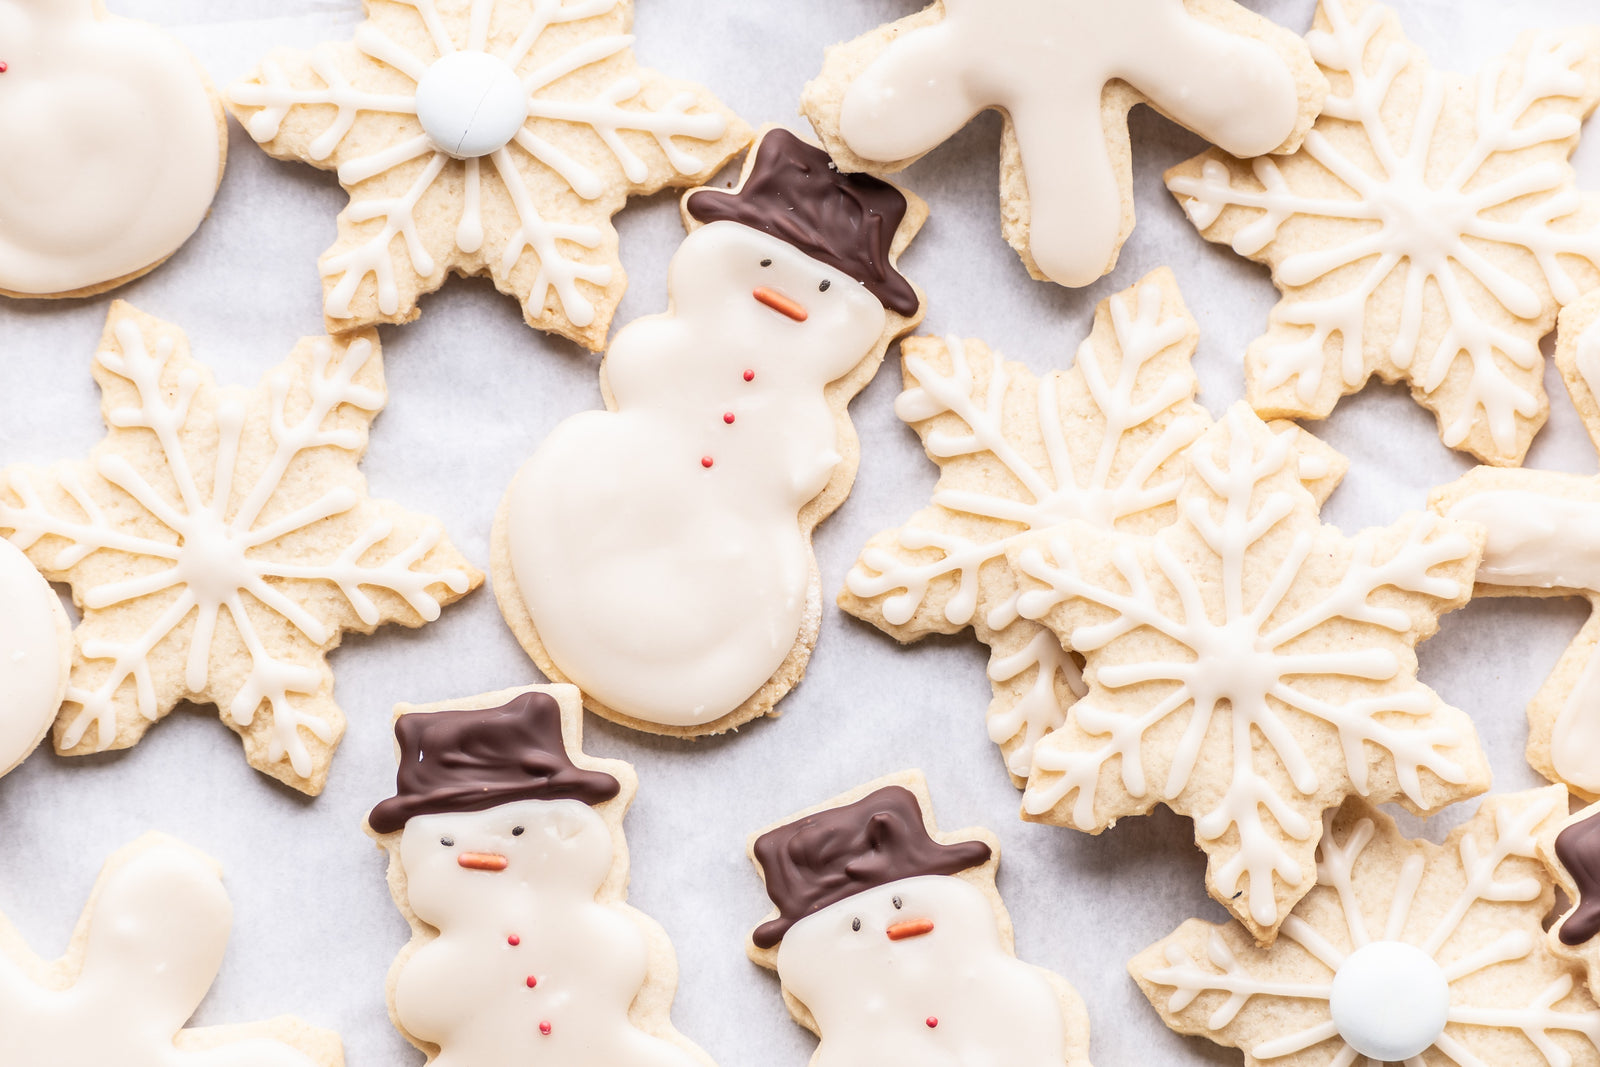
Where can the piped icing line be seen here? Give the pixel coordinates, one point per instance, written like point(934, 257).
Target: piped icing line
point(1455, 931)
point(145, 952)
point(475, 105)
point(508, 860)
point(1064, 75)
point(1428, 220)
point(1544, 540)
point(221, 549)
point(892, 942)
point(1246, 664)
point(657, 554)
point(1111, 429)
point(113, 148)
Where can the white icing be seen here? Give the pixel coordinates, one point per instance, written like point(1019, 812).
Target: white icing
point(33, 658)
point(156, 937)
point(873, 998)
point(467, 990)
point(1445, 228)
point(669, 590)
point(1154, 413)
point(1549, 542)
point(109, 146)
point(217, 555)
point(1389, 1000)
point(445, 95)
point(1243, 661)
point(1464, 919)
point(1047, 63)
point(471, 104)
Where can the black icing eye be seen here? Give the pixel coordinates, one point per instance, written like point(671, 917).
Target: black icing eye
point(855, 924)
point(516, 831)
point(896, 903)
point(448, 842)
point(766, 262)
point(826, 284)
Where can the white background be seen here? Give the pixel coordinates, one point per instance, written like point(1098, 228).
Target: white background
point(473, 390)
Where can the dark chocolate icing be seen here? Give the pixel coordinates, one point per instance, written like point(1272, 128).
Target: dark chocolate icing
point(834, 854)
point(475, 759)
point(1578, 849)
point(847, 221)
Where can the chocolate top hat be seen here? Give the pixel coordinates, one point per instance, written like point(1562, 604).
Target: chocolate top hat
point(473, 760)
point(847, 221)
point(834, 854)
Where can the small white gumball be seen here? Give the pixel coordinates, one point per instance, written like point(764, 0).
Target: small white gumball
point(471, 104)
point(1390, 1001)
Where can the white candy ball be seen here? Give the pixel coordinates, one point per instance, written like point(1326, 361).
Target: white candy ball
point(471, 104)
point(1390, 1001)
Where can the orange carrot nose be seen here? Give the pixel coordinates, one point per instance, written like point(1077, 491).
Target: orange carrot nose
point(781, 304)
point(482, 861)
point(909, 928)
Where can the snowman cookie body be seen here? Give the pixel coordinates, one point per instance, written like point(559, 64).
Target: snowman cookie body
point(657, 546)
point(526, 963)
point(35, 656)
point(913, 973)
point(112, 143)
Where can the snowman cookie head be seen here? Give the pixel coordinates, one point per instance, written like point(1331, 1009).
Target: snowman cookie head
point(800, 251)
point(862, 885)
point(486, 796)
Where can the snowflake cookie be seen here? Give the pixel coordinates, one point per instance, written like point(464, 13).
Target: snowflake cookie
point(489, 137)
point(892, 942)
point(111, 147)
point(1065, 74)
point(1249, 667)
point(1404, 951)
point(219, 541)
point(1544, 540)
point(1098, 443)
point(507, 857)
point(144, 954)
point(658, 554)
point(1427, 231)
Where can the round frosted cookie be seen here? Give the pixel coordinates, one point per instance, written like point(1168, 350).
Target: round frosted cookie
point(657, 554)
point(112, 144)
point(35, 656)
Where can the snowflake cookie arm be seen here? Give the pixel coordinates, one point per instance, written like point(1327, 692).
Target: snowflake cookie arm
point(1248, 621)
point(1465, 917)
point(1427, 232)
point(219, 543)
point(527, 203)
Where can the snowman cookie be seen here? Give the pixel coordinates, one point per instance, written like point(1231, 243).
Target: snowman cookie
point(1065, 74)
point(893, 945)
point(1571, 849)
point(112, 143)
point(495, 137)
point(507, 857)
point(144, 954)
point(658, 554)
point(35, 656)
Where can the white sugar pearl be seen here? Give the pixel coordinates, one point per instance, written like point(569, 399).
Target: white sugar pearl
point(1390, 1001)
point(471, 104)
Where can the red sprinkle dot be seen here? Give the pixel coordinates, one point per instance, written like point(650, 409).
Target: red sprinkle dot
point(544, 1028)
point(727, 417)
point(4, 66)
point(513, 940)
point(532, 981)
point(706, 461)
point(932, 1022)
point(749, 375)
